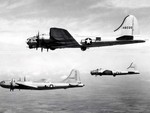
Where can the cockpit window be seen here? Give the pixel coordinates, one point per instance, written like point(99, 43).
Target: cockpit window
point(32, 39)
point(28, 39)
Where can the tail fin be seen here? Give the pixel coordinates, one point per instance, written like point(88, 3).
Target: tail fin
point(73, 77)
point(131, 66)
point(129, 26)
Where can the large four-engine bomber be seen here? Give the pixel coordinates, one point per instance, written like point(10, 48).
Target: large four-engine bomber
point(59, 38)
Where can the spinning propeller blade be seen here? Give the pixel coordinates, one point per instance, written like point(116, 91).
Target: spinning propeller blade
point(12, 85)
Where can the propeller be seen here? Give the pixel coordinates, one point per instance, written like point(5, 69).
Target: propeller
point(12, 85)
point(37, 40)
point(42, 43)
point(38, 35)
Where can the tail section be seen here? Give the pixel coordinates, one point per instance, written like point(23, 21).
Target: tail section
point(131, 67)
point(129, 28)
point(73, 77)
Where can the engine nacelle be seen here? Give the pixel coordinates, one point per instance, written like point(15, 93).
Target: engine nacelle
point(83, 48)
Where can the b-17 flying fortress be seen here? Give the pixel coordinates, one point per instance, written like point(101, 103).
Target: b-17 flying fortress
point(60, 38)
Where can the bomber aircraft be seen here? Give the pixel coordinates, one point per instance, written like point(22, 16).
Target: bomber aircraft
point(72, 81)
point(100, 72)
point(61, 38)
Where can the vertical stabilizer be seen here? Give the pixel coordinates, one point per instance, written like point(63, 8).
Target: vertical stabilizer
point(73, 77)
point(131, 67)
point(129, 26)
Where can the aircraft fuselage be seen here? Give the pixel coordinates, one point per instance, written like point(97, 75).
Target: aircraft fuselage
point(113, 73)
point(38, 86)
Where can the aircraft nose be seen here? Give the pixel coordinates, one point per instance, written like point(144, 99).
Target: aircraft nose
point(92, 73)
point(1, 83)
point(27, 41)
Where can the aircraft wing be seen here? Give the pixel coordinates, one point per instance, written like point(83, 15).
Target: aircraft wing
point(26, 84)
point(62, 38)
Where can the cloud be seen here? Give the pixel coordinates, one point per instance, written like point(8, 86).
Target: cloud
point(131, 4)
point(11, 4)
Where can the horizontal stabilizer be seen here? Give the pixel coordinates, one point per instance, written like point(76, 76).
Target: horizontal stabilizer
point(125, 37)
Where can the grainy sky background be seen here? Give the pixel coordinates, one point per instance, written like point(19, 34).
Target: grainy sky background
point(20, 19)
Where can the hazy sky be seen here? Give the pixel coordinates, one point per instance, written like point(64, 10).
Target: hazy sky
point(20, 19)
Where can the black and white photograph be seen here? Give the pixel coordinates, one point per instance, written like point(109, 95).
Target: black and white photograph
point(74, 56)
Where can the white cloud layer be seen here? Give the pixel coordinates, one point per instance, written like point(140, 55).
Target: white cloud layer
point(132, 4)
